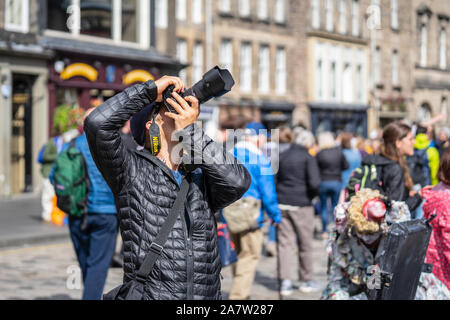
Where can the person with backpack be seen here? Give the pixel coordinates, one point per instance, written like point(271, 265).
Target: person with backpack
point(424, 164)
point(46, 157)
point(388, 171)
point(166, 193)
point(84, 195)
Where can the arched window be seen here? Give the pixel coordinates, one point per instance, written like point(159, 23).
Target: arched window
point(424, 112)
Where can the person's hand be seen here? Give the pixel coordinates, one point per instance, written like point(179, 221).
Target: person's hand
point(424, 188)
point(187, 114)
point(165, 81)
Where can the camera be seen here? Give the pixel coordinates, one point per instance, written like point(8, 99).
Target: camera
point(215, 83)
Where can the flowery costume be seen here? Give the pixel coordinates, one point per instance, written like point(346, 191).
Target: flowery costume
point(349, 253)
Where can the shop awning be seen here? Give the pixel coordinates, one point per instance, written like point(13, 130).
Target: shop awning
point(110, 51)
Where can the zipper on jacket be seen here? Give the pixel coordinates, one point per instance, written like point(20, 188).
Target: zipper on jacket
point(190, 257)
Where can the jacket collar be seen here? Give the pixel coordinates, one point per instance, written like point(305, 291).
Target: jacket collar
point(144, 153)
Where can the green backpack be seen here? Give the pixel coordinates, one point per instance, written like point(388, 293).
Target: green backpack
point(365, 176)
point(71, 182)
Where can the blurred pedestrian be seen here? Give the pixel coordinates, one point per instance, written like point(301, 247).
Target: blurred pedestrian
point(332, 162)
point(261, 196)
point(46, 157)
point(94, 245)
point(437, 202)
point(352, 155)
point(280, 143)
point(298, 182)
point(443, 140)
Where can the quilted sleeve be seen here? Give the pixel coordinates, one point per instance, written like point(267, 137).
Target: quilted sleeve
point(226, 178)
point(103, 126)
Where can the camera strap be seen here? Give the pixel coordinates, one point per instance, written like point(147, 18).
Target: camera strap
point(157, 244)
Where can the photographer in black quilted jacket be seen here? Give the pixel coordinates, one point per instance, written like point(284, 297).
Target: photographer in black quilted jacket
point(145, 188)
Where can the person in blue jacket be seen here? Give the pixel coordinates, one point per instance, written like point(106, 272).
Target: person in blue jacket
point(249, 243)
point(95, 245)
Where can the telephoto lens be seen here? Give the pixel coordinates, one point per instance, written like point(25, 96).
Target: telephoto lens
point(215, 83)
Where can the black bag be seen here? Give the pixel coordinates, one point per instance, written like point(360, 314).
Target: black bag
point(400, 259)
point(134, 289)
point(418, 168)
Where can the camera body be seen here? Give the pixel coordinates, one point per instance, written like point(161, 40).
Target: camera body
point(215, 83)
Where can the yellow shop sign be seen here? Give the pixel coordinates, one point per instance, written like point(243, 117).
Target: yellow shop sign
point(81, 70)
point(137, 76)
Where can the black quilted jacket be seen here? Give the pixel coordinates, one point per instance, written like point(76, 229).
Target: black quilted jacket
point(145, 190)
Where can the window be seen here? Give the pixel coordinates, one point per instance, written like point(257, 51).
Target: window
point(182, 57)
point(319, 79)
point(424, 112)
point(355, 18)
point(444, 107)
point(333, 80)
point(347, 81)
point(377, 66)
point(264, 69)
point(280, 11)
point(280, 73)
point(395, 68)
point(343, 16)
point(161, 12)
point(226, 54)
point(443, 49)
point(244, 8)
point(197, 11)
point(315, 6)
point(394, 14)
point(16, 15)
point(359, 83)
point(118, 20)
point(129, 21)
point(197, 62)
point(225, 6)
point(181, 10)
point(96, 18)
point(246, 68)
point(423, 45)
point(329, 15)
point(263, 13)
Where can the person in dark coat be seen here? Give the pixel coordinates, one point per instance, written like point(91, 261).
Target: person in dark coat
point(298, 181)
point(145, 187)
point(396, 183)
point(331, 162)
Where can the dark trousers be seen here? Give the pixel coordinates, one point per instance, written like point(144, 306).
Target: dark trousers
point(94, 248)
point(328, 189)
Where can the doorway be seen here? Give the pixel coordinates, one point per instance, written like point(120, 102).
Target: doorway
point(21, 137)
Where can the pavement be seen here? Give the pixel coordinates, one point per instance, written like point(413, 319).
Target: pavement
point(37, 261)
point(21, 223)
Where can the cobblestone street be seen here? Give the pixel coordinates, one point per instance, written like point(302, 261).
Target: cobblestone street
point(50, 271)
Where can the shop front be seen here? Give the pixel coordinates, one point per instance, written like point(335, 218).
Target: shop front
point(338, 117)
point(84, 74)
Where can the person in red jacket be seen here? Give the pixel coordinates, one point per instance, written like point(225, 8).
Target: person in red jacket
point(438, 203)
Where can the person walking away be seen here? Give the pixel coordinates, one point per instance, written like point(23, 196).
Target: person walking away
point(95, 244)
point(423, 165)
point(146, 183)
point(332, 162)
point(260, 196)
point(443, 140)
point(298, 182)
point(352, 155)
point(284, 140)
point(437, 202)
